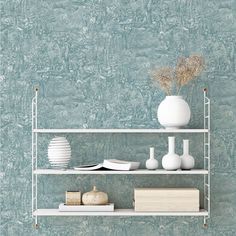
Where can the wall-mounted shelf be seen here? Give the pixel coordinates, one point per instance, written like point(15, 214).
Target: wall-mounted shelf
point(116, 172)
point(120, 212)
point(125, 131)
point(117, 212)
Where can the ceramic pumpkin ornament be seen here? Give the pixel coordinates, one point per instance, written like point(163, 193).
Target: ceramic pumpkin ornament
point(95, 197)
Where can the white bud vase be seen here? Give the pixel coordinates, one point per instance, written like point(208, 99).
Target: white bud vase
point(171, 161)
point(151, 163)
point(187, 161)
point(173, 112)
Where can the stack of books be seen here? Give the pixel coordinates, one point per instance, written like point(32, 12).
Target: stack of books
point(166, 199)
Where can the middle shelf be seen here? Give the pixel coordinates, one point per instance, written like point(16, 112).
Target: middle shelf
point(118, 172)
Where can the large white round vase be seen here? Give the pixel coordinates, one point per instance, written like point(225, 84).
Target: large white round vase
point(173, 112)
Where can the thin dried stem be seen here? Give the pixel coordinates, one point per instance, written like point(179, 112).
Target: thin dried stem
point(187, 69)
point(164, 78)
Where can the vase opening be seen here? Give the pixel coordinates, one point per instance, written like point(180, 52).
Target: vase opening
point(174, 96)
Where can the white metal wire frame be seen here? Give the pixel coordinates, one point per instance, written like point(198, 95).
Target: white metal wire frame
point(34, 156)
point(207, 156)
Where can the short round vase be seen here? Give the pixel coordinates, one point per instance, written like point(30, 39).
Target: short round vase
point(95, 197)
point(171, 161)
point(151, 164)
point(173, 112)
point(187, 161)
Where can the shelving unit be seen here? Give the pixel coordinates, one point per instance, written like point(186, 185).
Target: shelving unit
point(120, 212)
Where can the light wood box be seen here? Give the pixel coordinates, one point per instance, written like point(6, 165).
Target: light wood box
point(73, 198)
point(166, 199)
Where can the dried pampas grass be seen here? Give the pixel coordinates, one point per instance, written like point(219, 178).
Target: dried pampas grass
point(164, 78)
point(187, 69)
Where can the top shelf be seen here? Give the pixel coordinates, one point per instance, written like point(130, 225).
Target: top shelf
point(126, 131)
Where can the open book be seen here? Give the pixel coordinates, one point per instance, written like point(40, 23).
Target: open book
point(111, 164)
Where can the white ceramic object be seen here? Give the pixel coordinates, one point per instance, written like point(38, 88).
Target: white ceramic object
point(171, 161)
point(173, 112)
point(86, 208)
point(95, 197)
point(151, 163)
point(187, 161)
point(61, 156)
point(59, 152)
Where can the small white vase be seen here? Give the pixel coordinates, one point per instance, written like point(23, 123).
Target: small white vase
point(173, 112)
point(171, 161)
point(151, 163)
point(187, 161)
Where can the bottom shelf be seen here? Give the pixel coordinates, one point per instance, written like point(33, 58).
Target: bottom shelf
point(117, 212)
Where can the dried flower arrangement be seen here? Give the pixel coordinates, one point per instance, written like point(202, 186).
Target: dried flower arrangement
point(173, 79)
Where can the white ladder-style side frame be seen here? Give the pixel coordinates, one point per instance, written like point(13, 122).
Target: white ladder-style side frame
point(35, 156)
point(206, 133)
point(207, 156)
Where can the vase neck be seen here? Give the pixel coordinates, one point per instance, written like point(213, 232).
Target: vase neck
point(186, 146)
point(151, 152)
point(171, 144)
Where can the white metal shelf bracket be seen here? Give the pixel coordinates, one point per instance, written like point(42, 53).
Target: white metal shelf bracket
point(34, 149)
point(207, 155)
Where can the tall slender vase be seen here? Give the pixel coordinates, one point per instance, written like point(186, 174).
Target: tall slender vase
point(187, 161)
point(171, 161)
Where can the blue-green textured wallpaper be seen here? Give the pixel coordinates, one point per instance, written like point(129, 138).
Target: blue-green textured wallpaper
point(91, 60)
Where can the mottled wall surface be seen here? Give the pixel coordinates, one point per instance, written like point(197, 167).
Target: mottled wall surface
point(91, 60)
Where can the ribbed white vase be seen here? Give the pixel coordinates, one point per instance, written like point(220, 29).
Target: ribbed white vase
point(59, 152)
point(171, 161)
